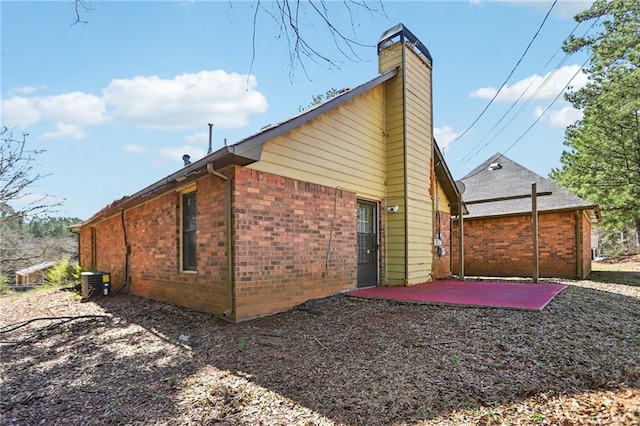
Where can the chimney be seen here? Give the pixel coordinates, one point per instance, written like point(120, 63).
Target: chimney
point(187, 159)
point(409, 152)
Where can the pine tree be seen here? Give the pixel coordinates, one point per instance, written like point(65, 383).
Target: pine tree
point(602, 163)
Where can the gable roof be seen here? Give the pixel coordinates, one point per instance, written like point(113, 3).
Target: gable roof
point(444, 177)
point(36, 268)
point(242, 153)
point(508, 178)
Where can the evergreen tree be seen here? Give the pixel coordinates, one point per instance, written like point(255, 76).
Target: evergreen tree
point(602, 163)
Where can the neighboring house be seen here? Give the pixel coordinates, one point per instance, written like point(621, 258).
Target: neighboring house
point(350, 193)
point(498, 239)
point(31, 276)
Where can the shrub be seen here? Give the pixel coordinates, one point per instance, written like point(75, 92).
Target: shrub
point(63, 272)
point(4, 284)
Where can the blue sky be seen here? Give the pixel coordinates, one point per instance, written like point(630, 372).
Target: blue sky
point(118, 100)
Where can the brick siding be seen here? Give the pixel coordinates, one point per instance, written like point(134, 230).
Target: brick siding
point(153, 234)
point(586, 245)
point(286, 233)
point(293, 241)
point(442, 264)
point(502, 246)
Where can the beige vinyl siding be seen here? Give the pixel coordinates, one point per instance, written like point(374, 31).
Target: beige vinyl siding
point(395, 239)
point(419, 150)
point(341, 148)
point(443, 200)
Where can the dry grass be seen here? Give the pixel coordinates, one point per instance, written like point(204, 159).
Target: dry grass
point(340, 361)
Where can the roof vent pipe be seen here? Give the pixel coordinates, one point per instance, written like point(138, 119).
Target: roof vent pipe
point(210, 150)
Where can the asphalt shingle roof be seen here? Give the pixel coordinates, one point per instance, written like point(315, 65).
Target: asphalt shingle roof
point(36, 268)
point(510, 179)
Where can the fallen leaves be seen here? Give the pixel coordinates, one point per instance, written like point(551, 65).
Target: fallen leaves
point(336, 361)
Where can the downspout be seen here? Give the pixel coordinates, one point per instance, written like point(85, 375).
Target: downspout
point(127, 255)
point(229, 226)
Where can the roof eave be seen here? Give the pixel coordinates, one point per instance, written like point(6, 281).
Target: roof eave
point(242, 153)
point(445, 178)
point(252, 146)
point(593, 211)
point(220, 159)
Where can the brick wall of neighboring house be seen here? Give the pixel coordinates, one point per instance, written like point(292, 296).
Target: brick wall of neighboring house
point(502, 246)
point(153, 234)
point(286, 233)
point(442, 263)
point(586, 245)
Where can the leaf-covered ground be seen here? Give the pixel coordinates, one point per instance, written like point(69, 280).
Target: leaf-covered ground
point(128, 360)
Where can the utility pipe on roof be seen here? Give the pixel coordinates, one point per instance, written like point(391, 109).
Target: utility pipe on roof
point(229, 226)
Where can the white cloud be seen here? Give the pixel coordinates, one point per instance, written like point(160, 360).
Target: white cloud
point(186, 101)
point(64, 130)
point(136, 149)
point(75, 108)
point(533, 86)
point(174, 154)
point(26, 90)
point(197, 138)
point(20, 112)
point(562, 117)
point(444, 136)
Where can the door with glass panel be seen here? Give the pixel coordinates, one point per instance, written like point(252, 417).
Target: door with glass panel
point(367, 230)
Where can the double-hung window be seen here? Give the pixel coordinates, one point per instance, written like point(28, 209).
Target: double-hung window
point(189, 244)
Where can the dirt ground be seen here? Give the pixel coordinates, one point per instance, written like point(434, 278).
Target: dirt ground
point(127, 360)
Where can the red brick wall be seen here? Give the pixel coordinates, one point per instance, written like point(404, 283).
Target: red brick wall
point(153, 233)
point(442, 264)
point(586, 245)
point(502, 246)
point(283, 229)
point(109, 246)
point(283, 233)
point(85, 248)
point(110, 250)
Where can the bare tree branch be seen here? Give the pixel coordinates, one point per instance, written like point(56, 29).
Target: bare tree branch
point(81, 7)
point(17, 202)
point(300, 30)
point(18, 177)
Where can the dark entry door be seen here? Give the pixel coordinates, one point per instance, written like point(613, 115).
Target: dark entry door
point(367, 244)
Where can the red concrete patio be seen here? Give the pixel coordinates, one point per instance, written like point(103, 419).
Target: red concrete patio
point(506, 295)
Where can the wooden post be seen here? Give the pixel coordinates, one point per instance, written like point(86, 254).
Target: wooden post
point(460, 239)
point(534, 230)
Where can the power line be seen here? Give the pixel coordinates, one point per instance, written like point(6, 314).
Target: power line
point(484, 142)
point(466, 156)
point(539, 117)
point(548, 107)
point(474, 151)
point(509, 76)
